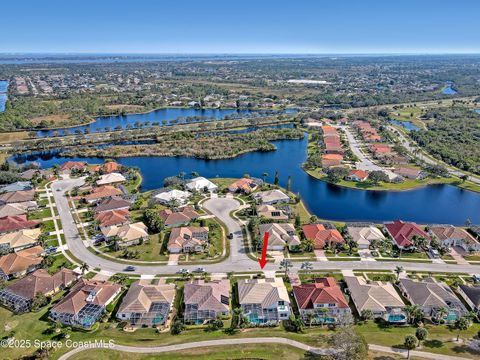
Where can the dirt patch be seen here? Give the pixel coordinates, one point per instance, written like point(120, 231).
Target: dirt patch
point(52, 120)
point(13, 136)
point(125, 107)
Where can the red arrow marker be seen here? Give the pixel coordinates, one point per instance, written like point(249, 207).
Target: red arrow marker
point(263, 261)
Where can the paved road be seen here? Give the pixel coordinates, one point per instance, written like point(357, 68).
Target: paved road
point(198, 344)
point(238, 260)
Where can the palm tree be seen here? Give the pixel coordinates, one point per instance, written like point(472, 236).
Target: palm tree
point(307, 266)
point(264, 176)
point(440, 314)
point(414, 313)
point(398, 271)
point(285, 264)
point(410, 343)
point(462, 324)
point(84, 268)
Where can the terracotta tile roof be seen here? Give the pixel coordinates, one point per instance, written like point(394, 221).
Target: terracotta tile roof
point(16, 222)
point(77, 297)
point(111, 166)
point(403, 232)
point(381, 148)
point(41, 281)
point(359, 173)
point(71, 165)
point(243, 184)
point(321, 236)
point(21, 260)
point(113, 217)
point(20, 238)
point(182, 216)
point(445, 232)
point(322, 291)
point(103, 192)
point(17, 196)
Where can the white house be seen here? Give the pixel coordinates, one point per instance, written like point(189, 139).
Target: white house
point(201, 184)
point(173, 195)
point(111, 179)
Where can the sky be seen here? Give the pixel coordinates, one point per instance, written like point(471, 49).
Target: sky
point(242, 26)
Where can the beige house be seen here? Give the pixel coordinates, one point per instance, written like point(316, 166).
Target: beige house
point(187, 239)
point(147, 303)
point(19, 240)
point(364, 235)
point(21, 208)
point(270, 197)
point(450, 236)
point(129, 234)
point(111, 178)
point(19, 263)
point(280, 236)
point(271, 212)
point(206, 300)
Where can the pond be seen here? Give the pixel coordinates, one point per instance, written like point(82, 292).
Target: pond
point(408, 125)
point(449, 90)
point(160, 117)
point(432, 204)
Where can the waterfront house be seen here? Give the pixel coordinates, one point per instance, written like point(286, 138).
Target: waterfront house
point(431, 296)
point(69, 166)
point(364, 235)
point(280, 236)
point(244, 185)
point(187, 239)
point(19, 240)
point(18, 297)
point(450, 236)
point(111, 178)
point(271, 212)
point(321, 301)
point(21, 208)
point(409, 173)
point(17, 197)
point(85, 303)
point(322, 236)
point(329, 160)
point(264, 301)
point(128, 234)
point(36, 173)
point(379, 297)
point(177, 217)
point(205, 301)
point(201, 184)
point(112, 203)
point(271, 197)
point(20, 263)
point(174, 195)
point(147, 303)
point(102, 192)
point(16, 222)
point(357, 176)
point(403, 233)
point(107, 168)
point(17, 186)
point(471, 295)
point(112, 217)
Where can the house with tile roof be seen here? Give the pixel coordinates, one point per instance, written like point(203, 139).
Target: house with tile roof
point(102, 192)
point(18, 297)
point(174, 195)
point(264, 301)
point(108, 167)
point(19, 240)
point(17, 264)
point(177, 217)
point(280, 236)
point(112, 203)
point(409, 173)
point(147, 303)
point(17, 196)
point(364, 235)
point(113, 217)
point(471, 295)
point(201, 184)
point(17, 186)
point(21, 208)
point(205, 301)
point(379, 297)
point(111, 178)
point(380, 150)
point(244, 185)
point(404, 233)
point(36, 173)
point(357, 175)
point(270, 197)
point(128, 234)
point(322, 236)
point(331, 160)
point(450, 236)
point(271, 212)
point(323, 300)
point(16, 222)
point(432, 295)
point(187, 239)
point(84, 305)
point(69, 166)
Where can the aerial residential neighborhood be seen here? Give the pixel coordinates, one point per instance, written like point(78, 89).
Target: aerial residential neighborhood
point(252, 180)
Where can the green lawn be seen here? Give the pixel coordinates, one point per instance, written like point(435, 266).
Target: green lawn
point(48, 226)
point(41, 214)
point(148, 251)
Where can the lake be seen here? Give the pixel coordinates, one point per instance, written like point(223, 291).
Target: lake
point(432, 204)
point(3, 94)
point(449, 90)
point(408, 125)
point(161, 117)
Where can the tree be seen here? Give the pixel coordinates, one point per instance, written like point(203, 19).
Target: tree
point(366, 315)
point(421, 334)
point(377, 176)
point(335, 174)
point(153, 220)
point(276, 179)
point(414, 313)
point(420, 242)
point(410, 343)
point(39, 301)
point(440, 314)
point(84, 268)
point(264, 176)
point(177, 327)
point(307, 266)
point(285, 265)
point(462, 324)
point(398, 271)
point(348, 345)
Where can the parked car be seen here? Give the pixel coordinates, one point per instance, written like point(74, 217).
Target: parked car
point(51, 250)
point(230, 236)
point(183, 271)
point(130, 268)
point(200, 270)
